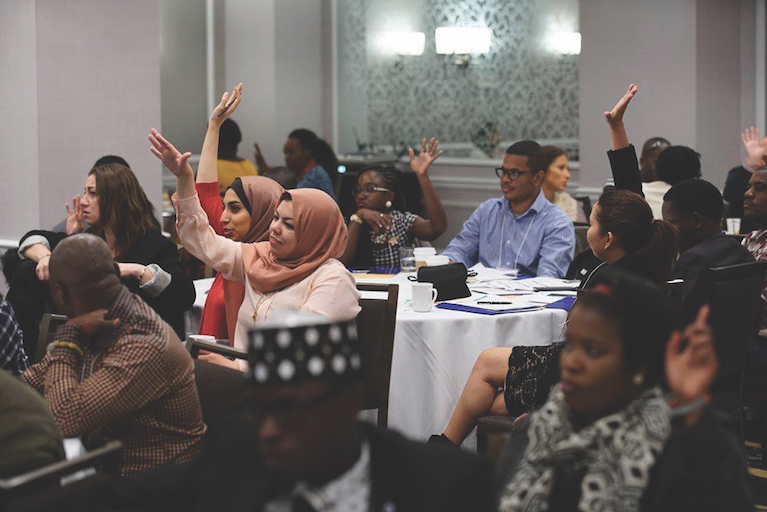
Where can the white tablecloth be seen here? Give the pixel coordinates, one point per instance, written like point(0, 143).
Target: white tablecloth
point(434, 353)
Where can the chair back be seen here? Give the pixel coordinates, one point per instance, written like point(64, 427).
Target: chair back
point(673, 290)
point(581, 242)
point(375, 330)
point(48, 327)
point(221, 390)
point(62, 484)
point(734, 295)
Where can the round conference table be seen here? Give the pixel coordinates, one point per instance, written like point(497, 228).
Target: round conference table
point(434, 353)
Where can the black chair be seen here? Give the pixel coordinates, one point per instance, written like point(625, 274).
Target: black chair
point(221, 389)
point(673, 290)
point(48, 327)
point(734, 295)
point(62, 484)
point(375, 330)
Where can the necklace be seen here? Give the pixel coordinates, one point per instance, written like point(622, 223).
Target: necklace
point(258, 305)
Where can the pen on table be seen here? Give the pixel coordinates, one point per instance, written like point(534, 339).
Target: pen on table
point(494, 302)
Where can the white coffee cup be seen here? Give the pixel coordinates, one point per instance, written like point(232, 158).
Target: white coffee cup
point(434, 261)
point(733, 226)
point(424, 295)
point(421, 253)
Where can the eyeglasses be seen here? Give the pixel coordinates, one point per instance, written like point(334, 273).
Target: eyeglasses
point(287, 413)
point(512, 174)
point(368, 190)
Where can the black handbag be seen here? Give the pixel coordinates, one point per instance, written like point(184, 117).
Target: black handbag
point(449, 280)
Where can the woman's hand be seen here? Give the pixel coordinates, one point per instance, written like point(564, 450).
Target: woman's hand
point(221, 112)
point(754, 147)
point(171, 157)
point(42, 268)
point(210, 357)
point(425, 158)
point(380, 222)
point(690, 370)
point(74, 216)
point(615, 116)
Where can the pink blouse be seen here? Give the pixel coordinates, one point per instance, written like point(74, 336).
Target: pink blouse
point(330, 290)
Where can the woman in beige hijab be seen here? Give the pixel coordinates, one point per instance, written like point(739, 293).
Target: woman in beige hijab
point(295, 270)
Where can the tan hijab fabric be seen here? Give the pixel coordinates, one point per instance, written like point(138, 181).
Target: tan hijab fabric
point(263, 195)
point(320, 232)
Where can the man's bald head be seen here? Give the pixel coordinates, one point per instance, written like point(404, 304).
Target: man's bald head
point(83, 269)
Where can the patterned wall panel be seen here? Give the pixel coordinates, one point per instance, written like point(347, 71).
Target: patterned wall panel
point(519, 88)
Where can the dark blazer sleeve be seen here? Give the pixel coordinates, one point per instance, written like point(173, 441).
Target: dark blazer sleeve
point(179, 295)
point(52, 237)
point(625, 169)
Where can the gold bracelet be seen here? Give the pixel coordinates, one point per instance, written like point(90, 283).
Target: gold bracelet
point(66, 344)
point(141, 275)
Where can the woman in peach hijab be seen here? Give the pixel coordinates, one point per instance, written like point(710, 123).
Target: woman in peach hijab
point(295, 270)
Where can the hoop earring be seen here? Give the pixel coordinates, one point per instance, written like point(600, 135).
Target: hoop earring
point(388, 204)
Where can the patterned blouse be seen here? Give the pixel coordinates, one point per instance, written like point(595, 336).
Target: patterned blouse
point(398, 236)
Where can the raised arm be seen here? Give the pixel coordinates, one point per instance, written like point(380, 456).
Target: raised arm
point(614, 118)
point(436, 224)
point(192, 224)
point(622, 156)
point(207, 172)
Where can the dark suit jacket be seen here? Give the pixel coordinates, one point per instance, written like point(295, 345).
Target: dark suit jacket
point(716, 251)
point(406, 476)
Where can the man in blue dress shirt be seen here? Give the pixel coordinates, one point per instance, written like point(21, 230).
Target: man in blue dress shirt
point(521, 230)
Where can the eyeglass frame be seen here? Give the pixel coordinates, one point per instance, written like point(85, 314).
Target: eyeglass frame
point(369, 190)
point(512, 174)
point(291, 411)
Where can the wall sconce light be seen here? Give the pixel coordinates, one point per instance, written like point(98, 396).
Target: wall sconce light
point(564, 43)
point(462, 42)
point(402, 43)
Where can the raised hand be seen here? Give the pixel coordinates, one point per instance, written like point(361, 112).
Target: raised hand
point(426, 157)
point(690, 370)
point(171, 157)
point(615, 116)
point(93, 322)
point(755, 147)
point(226, 107)
point(74, 216)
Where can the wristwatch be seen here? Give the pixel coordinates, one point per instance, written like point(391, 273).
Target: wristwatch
point(355, 218)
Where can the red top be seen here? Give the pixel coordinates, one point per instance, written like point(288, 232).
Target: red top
point(213, 319)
